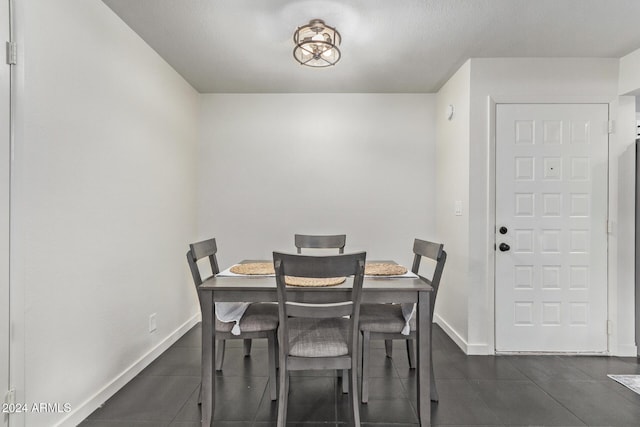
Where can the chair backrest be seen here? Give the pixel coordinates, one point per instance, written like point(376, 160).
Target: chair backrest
point(307, 241)
point(199, 250)
point(435, 252)
point(307, 303)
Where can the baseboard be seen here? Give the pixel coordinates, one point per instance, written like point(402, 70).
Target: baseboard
point(469, 349)
point(453, 334)
point(628, 350)
point(479, 350)
point(82, 411)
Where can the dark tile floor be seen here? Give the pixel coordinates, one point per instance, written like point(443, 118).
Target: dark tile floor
point(474, 391)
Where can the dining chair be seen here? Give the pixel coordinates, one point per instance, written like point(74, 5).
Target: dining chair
point(314, 334)
point(260, 320)
point(334, 241)
point(307, 241)
point(386, 321)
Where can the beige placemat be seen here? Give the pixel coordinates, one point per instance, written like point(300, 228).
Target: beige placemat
point(253, 268)
point(311, 282)
point(384, 269)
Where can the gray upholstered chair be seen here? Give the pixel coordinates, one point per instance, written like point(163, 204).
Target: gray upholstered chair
point(315, 335)
point(306, 241)
point(386, 321)
point(260, 320)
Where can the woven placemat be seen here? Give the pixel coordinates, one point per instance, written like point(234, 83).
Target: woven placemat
point(253, 268)
point(266, 268)
point(384, 269)
point(311, 282)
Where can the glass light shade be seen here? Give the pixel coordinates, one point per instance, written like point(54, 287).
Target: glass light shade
point(316, 44)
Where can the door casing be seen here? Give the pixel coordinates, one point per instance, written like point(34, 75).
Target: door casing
point(5, 207)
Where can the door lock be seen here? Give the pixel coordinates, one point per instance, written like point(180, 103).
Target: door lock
point(503, 230)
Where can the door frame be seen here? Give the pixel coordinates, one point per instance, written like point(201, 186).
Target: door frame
point(16, 270)
point(612, 301)
point(7, 151)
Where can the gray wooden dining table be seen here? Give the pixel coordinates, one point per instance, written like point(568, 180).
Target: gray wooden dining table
point(263, 289)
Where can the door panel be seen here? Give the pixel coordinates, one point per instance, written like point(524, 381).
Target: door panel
point(551, 197)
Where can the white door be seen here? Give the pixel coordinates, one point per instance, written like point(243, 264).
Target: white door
point(551, 213)
point(5, 158)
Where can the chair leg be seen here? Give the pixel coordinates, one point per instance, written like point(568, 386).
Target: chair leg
point(353, 379)
point(200, 394)
point(273, 356)
point(388, 346)
point(283, 396)
point(434, 391)
point(366, 341)
point(283, 393)
point(247, 347)
point(411, 353)
point(220, 354)
point(345, 381)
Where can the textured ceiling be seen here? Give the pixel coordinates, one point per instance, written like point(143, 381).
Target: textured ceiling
point(245, 46)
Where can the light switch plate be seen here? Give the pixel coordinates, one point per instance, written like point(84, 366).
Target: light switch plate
point(458, 208)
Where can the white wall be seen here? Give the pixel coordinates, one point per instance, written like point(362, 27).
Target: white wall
point(524, 80)
point(272, 165)
point(104, 206)
point(452, 181)
point(629, 75)
point(622, 167)
point(629, 85)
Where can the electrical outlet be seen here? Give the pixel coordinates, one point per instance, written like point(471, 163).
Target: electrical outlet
point(152, 322)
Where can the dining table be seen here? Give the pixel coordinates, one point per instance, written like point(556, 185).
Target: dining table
point(262, 288)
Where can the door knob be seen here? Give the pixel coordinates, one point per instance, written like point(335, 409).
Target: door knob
point(503, 230)
point(504, 247)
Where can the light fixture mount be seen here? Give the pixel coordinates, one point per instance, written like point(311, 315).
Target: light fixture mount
point(317, 44)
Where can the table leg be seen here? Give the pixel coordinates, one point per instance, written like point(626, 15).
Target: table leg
point(424, 358)
point(208, 359)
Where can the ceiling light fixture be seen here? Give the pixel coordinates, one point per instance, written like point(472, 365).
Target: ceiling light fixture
point(316, 44)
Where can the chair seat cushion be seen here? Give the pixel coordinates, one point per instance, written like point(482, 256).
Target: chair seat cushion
point(386, 318)
point(318, 337)
point(258, 317)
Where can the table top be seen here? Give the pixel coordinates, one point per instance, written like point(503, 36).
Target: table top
point(262, 283)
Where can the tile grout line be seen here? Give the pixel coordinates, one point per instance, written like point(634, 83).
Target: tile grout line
point(533, 381)
point(262, 399)
point(185, 403)
point(618, 391)
point(406, 390)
